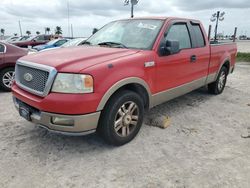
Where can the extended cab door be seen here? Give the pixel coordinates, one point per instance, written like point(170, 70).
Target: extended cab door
point(189, 64)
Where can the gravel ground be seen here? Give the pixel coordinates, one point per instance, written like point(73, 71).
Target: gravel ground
point(243, 46)
point(202, 147)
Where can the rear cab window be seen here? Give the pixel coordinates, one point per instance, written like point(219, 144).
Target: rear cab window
point(198, 35)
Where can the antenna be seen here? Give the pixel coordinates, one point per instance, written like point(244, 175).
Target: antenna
point(68, 18)
point(20, 28)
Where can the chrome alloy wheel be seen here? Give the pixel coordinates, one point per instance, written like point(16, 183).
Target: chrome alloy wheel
point(222, 81)
point(126, 119)
point(8, 78)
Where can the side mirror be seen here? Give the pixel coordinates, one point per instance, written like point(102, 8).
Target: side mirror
point(170, 47)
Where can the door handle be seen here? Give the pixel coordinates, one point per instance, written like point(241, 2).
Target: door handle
point(193, 59)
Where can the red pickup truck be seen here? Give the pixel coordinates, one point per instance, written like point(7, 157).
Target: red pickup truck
point(33, 41)
point(127, 67)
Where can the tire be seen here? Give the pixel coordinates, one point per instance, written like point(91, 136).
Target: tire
point(6, 78)
point(218, 86)
point(125, 109)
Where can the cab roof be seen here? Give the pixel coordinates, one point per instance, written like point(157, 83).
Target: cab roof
point(162, 18)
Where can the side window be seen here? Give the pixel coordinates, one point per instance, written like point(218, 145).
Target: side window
point(40, 38)
point(2, 48)
point(60, 42)
point(47, 37)
point(180, 33)
point(200, 42)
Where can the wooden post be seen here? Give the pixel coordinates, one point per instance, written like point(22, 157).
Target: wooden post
point(209, 32)
point(235, 32)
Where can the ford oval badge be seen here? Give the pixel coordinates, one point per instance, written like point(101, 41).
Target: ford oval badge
point(28, 77)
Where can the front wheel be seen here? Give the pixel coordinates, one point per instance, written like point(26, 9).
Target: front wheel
point(121, 118)
point(218, 86)
point(7, 76)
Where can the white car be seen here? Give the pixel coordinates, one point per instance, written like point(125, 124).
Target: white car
point(73, 42)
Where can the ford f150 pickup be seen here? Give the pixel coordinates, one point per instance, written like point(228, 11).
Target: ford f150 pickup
point(127, 67)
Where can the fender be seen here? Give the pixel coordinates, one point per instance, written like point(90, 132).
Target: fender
point(5, 65)
point(223, 62)
point(118, 85)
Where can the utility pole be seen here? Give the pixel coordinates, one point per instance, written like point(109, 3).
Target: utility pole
point(133, 3)
point(68, 18)
point(21, 34)
point(72, 35)
point(218, 16)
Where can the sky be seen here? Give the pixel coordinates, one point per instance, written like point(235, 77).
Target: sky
point(84, 15)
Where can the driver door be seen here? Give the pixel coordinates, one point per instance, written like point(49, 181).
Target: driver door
point(175, 70)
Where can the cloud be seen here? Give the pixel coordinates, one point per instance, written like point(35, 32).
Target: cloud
point(35, 15)
point(196, 5)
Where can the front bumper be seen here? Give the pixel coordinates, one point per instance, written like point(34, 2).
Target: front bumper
point(81, 124)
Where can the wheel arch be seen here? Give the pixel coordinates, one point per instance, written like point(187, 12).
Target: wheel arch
point(226, 62)
point(227, 65)
point(135, 84)
point(7, 65)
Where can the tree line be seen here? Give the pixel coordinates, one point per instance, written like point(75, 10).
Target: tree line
point(58, 31)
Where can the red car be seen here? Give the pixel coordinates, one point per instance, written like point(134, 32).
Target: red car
point(33, 41)
point(126, 68)
point(8, 57)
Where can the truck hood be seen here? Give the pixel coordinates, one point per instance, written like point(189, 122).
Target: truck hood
point(75, 59)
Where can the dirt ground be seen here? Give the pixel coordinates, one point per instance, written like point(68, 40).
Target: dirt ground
point(202, 147)
point(243, 46)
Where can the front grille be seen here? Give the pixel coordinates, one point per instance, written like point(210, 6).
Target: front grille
point(34, 78)
point(39, 80)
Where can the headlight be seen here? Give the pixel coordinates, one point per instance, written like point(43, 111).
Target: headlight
point(73, 83)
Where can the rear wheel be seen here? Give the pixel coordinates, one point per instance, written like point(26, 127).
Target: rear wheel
point(7, 76)
point(218, 86)
point(122, 118)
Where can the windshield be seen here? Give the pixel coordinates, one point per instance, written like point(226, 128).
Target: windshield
point(73, 42)
point(52, 42)
point(139, 34)
point(25, 38)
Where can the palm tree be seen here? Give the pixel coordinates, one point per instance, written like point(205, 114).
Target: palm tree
point(2, 31)
point(47, 30)
point(28, 33)
point(58, 30)
point(38, 33)
point(94, 31)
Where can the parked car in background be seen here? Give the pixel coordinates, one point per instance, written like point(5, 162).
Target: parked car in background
point(16, 39)
point(128, 67)
point(33, 41)
point(23, 38)
point(8, 57)
point(51, 44)
point(74, 42)
point(11, 39)
point(70, 43)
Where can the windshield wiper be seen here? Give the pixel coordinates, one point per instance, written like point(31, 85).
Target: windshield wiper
point(112, 44)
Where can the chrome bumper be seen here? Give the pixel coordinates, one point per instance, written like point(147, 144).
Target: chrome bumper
point(81, 124)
